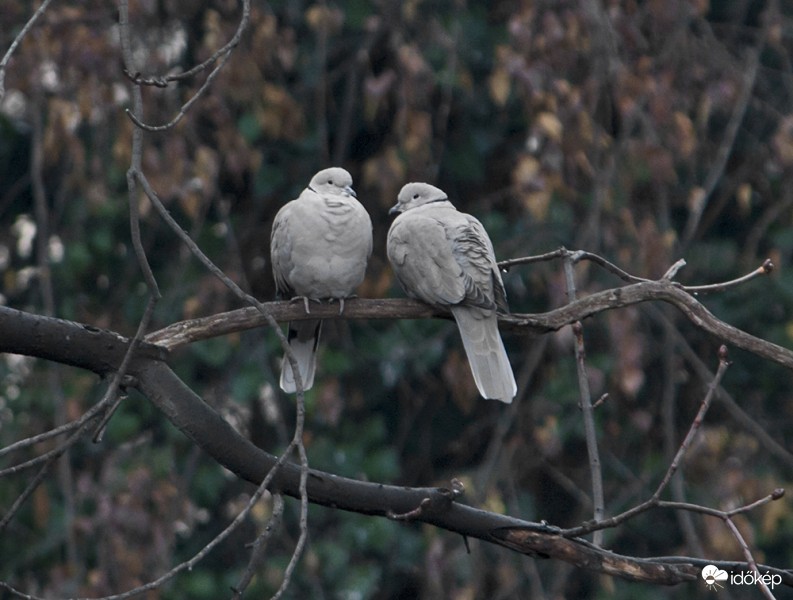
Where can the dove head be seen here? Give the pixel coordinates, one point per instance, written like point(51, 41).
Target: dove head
point(417, 194)
point(334, 181)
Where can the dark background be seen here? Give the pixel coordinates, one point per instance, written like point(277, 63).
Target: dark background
point(597, 126)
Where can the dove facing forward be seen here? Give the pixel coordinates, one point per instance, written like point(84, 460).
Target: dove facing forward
point(445, 258)
point(319, 246)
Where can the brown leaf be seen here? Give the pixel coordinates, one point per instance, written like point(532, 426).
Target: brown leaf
point(323, 17)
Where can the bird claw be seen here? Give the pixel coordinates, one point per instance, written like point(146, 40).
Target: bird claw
point(341, 303)
point(305, 300)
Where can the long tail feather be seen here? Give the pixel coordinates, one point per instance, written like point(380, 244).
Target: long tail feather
point(303, 339)
point(486, 353)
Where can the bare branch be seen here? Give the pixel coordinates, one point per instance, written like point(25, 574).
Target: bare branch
point(163, 81)
point(260, 546)
point(17, 40)
point(224, 52)
point(186, 106)
point(185, 332)
point(738, 414)
point(766, 268)
point(696, 423)
point(576, 256)
point(749, 558)
point(585, 403)
point(654, 500)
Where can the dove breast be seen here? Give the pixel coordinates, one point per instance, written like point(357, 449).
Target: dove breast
point(320, 246)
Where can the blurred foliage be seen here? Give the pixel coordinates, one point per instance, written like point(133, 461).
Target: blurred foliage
point(600, 126)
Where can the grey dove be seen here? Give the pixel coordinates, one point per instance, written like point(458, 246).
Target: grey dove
point(319, 246)
point(444, 257)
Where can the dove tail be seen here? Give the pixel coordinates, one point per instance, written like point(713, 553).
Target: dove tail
point(486, 353)
point(303, 338)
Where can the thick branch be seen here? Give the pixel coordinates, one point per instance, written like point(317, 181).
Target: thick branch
point(215, 436)
point(102, 351)
point(67, 342)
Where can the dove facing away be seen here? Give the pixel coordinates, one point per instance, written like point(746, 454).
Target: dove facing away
point(319, 246)
point(445, 258)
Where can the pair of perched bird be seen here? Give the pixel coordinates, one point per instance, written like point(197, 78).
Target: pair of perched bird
point(321, 242)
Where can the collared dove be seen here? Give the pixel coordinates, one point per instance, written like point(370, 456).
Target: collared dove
point(445, 258)
point(319, 247)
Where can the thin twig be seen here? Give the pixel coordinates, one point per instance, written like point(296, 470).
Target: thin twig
point(301, 541)
point(766, 268)
point(17, 40)
point(654, 500)
point(749, 558)
point(726, 516)
point(136, 161)
point(575, 256)
point(669, 393)
point(115, 383)
point(87, 416)
point(186, 106)
point(163, 81)
point(258, 552)
point(188, 564)
point(738, 414)
point(48, 460)
point(50, 457)
point(578, 255)
point(696, 423)
point(225, 52)
point(585, 402)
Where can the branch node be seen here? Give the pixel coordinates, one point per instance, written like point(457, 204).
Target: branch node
point(672, 272)
point(457, 490)
point(138, 79)
point(440, 502)
point(411, 514)
point(724, 354)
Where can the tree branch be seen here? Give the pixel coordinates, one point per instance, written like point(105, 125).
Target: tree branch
point(103, 351)
point(185, 332)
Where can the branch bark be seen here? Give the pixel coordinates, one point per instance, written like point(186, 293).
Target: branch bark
point(185, 332)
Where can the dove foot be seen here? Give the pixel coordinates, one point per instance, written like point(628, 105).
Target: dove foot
point(305, 300)
point(341, 303)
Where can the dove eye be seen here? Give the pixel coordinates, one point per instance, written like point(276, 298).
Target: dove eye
point(415, 196)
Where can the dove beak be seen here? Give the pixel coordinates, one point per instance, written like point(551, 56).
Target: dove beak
point(395, 210)
point(350, 191)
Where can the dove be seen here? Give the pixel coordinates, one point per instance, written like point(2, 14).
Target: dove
point(445, 258)
point(319, 246)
